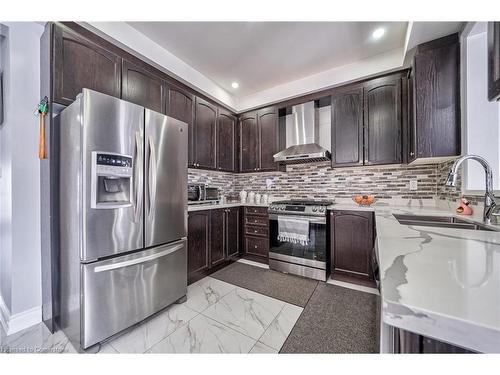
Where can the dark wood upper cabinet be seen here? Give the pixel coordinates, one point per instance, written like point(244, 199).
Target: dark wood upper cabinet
point(205, 134)
point(249, 142)
point(352, 240)
point(217, 236)
point(382, 121)
point(493, 61)
point(180, 105)
point(435, 90)
point(198, 241)
point(233, 231)
point(142, 87)
point(226, 142)
point(347, 127)
point(267, 120)
point(80, 63)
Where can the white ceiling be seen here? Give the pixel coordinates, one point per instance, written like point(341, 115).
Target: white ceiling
point(261, 55)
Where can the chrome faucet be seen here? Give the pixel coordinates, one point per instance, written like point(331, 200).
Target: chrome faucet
point(490, 206)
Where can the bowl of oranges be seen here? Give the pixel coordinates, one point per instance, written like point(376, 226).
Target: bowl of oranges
point(364, 200)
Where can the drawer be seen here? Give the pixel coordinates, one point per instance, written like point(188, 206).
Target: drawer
point(257, 246)
point(254, 230)
point(252, 210)
point(256, 220)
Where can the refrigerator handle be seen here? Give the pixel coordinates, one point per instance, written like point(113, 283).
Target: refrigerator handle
point(131, 262)
point(152, 177)
point(138, 184)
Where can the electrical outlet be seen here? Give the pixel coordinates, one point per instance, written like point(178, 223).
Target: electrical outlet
point(413, 185)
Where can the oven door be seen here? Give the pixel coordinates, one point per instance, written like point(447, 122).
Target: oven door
point(314, 254)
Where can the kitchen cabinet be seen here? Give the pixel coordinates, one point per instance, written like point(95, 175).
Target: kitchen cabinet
point(347, 126)
point(267, 120)
point(249, 142)
point(80, 63)
point(226, 142)
point(259, 140)
point(214, 238)
point(351, 241)
point(435, 128)
point(142, 87)
point(233, 231)
point(198, 241)
point(382, 121)
point(493, 61)
point(367, 122)
point(204, 132)
point(256, 231)
point(406, 342)
point(180, 105)
point(217, 236)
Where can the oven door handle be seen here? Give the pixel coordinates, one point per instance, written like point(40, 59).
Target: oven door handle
point(310, 219)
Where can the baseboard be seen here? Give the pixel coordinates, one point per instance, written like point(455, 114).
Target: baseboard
point(17, 322)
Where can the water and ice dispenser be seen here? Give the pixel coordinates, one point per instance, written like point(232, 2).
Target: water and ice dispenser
point(112, 179)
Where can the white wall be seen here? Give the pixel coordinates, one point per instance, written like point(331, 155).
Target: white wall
point(20, 264)
point(482, 128)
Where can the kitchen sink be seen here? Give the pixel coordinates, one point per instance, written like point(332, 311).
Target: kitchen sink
point(440, 221)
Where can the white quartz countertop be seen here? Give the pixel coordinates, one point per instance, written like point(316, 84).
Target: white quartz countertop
point(439, 282)
point(207, 206)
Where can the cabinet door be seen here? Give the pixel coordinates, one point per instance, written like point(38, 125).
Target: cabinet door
point(268, 138)
point(351, 242)
point(205, 134)
point(382, 121)
point(80, 63)
point(437, 98)
point(198, 241)
point(142, 87)
point(347, 127)
point(217, 236)
point(233, 225)
point(180, 105)
point(493, 61)
point(249, 143)
point(226, 142)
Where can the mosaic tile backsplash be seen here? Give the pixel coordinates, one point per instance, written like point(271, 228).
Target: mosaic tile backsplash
point(320, 181)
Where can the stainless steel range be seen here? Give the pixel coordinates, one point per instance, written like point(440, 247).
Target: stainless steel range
point(298, 238)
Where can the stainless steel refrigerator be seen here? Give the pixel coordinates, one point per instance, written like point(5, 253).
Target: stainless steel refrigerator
point(123, 215)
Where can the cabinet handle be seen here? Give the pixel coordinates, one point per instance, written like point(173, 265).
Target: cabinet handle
point(255, 246)
point(412, 153)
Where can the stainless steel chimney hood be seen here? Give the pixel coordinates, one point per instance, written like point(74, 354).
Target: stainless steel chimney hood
point(302, 137)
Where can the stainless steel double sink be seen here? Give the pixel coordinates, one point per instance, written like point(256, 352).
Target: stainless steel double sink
point(441, 221)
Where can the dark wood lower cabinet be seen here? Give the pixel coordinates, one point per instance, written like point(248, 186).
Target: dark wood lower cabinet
point(198, 241)
point(406, 342)
point(352, 240)
point(214, 240)
point(233, 231)
point(217, 236)
point(256, 232)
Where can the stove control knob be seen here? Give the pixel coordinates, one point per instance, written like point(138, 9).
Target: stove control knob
point(315, 209)
point(322, 209)
point(282, 207)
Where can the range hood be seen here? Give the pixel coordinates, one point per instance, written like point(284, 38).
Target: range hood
point(302, 137)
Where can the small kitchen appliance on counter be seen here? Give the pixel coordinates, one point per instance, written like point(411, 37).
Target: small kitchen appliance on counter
point(202, 194)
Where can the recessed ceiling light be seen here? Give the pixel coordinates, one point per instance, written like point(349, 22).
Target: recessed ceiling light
point(378, 33)
point(235, 85)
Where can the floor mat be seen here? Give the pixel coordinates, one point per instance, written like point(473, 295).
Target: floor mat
point(289, 288)
point(336, 320)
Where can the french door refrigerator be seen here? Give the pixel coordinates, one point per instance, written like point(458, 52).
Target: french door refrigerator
point(123, 215)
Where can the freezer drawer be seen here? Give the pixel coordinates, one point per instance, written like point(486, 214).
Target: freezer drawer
point(120, 292)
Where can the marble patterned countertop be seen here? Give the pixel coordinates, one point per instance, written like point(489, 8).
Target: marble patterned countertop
point(208, 206)
point(443, 283)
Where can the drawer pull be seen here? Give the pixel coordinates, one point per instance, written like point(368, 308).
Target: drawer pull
point(255, 246)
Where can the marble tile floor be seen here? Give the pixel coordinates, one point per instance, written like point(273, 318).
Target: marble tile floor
point(216, 318)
